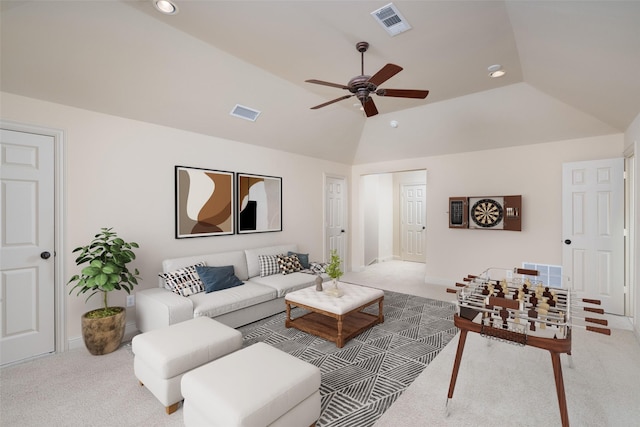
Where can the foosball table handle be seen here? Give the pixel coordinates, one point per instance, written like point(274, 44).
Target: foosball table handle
point(604, 331)
point(594, 310)
point(598, 321)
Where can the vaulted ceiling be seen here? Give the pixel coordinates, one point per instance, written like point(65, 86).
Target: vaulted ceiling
point(572, 70)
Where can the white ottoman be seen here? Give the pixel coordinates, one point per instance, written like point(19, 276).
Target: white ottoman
point(163, 355)
point(257, 386)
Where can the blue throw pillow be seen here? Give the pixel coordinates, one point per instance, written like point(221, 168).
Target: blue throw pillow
point(218, 278)
point(303, 258)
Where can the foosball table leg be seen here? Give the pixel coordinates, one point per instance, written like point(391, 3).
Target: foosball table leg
point(562, 401)
point(456, 365)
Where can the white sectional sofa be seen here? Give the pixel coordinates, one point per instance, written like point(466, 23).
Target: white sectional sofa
point(259, 296)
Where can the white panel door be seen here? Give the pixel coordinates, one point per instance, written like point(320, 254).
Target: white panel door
point(593, 230)
point(412, 222)
point(335, 217)
point(27, 284)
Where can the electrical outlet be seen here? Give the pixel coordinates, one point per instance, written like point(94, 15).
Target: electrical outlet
point(131, 300)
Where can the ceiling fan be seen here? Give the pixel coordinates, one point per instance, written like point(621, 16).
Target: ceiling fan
point(363, 86)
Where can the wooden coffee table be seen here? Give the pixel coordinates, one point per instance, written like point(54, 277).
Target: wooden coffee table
point(336, 319)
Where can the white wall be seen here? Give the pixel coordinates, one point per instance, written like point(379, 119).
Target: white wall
point(377, 210)
point(120, 173)
point(385, 218)
point(370, 218)
point(534, 171)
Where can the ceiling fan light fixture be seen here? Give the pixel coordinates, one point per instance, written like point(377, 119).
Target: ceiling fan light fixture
point(496, 71)
point(165, 6)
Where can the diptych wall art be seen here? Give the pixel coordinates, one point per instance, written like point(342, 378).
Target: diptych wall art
point(205, 201)
point(259, 203)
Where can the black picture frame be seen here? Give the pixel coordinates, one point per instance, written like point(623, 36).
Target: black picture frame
point(259, 203)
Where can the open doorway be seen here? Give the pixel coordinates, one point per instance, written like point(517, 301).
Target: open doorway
point(394, 216)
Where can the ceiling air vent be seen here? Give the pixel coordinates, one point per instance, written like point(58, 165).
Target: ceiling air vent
point(245, 112)
point(391, 19)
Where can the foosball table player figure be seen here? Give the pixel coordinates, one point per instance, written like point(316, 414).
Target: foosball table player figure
point(513, 306)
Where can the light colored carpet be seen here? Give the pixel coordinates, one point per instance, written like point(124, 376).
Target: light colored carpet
point(498, 384)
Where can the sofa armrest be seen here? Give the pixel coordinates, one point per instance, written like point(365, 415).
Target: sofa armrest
point(159, 307)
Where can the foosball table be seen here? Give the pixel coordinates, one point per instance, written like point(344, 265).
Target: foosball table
point(514, 306)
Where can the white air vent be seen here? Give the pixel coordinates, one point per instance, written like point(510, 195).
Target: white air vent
point(550, 275)
point(245, 112)
point(391, 19)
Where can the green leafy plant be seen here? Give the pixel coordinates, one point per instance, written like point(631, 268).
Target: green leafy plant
point(333, 269)
point(108, 256)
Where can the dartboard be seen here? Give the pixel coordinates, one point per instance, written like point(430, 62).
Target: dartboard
point(486, 213)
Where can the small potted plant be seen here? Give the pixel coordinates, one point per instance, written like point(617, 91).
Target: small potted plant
point(333, 269)
point(107, 256)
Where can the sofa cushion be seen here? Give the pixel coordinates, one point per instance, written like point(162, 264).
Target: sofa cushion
point(218, 278)
point(184, 281)
point(304, 258)
point(289, 264)
point(286, 283)
point(253, 264)
point(235, 258)
point(231, 299)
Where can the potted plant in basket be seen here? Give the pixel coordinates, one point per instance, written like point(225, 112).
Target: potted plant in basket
point(333, 270)
point(107, 256)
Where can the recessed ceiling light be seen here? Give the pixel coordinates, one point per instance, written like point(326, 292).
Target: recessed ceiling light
point(496, 71)
point(165, 6)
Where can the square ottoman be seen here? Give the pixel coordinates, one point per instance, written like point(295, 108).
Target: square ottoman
point(162, 356)
point(257, 386)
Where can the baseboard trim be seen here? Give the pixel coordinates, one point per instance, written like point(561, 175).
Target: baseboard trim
point(439, 281)
point(130, 330)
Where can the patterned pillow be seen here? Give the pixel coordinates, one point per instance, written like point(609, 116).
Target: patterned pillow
point(318, 267)
point(289, 264)
point(303, 258)
point(184, 281)
point(268, 265)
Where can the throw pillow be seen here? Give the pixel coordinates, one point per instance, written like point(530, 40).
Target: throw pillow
point(268, 265)
point(318, 267)
point(184, 281)
point(289, 264)
point(218, 278)
point(303, 258)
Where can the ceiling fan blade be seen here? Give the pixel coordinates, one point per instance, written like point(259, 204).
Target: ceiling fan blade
point(369, 107)
point(385, 74)
point(403, 93)
point(331, 102)
point(320, 82)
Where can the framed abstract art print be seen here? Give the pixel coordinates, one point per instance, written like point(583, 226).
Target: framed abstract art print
point(259, 203)
point(205, 202)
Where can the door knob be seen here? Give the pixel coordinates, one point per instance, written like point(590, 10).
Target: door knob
point(342, 231)
point(45, 255)
point(567, 242)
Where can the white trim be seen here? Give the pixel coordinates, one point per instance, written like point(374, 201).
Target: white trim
point(345, 219)
point(60, 295)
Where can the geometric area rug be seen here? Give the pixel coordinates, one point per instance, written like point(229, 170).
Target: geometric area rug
point(361, 380)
